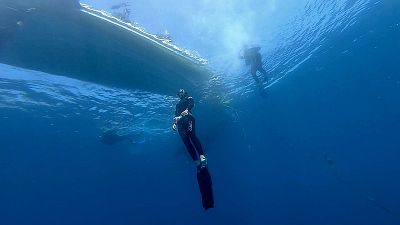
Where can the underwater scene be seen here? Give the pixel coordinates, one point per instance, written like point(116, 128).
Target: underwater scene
point(199, 112)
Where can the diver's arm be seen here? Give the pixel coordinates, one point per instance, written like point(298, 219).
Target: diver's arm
point(176, 118)
point(175, 122)
point(176, 112)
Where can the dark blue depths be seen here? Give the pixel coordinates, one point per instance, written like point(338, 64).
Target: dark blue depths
point(321, 148)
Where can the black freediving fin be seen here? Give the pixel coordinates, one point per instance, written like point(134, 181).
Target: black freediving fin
point(205, 185)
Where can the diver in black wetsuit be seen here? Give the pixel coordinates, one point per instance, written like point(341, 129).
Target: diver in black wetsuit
point(252, 57)
point(185, 123)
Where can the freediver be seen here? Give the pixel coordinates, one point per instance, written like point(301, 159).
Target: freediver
point(184, 122)
point(253, 58)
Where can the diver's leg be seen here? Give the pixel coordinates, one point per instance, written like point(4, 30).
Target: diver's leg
point(202, 163)
point(253, 72)
point(186, 141)
point(263, 72)
point(193, 137)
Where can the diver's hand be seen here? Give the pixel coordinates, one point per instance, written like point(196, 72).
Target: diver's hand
point(176, 120)
point(185, 113)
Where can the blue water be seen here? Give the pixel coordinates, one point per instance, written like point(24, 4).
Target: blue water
point(320, 146)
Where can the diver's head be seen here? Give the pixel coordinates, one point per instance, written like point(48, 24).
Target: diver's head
point(182, 93)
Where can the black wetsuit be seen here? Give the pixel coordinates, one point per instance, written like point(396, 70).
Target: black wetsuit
point(186, 128)
point(252, 57)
